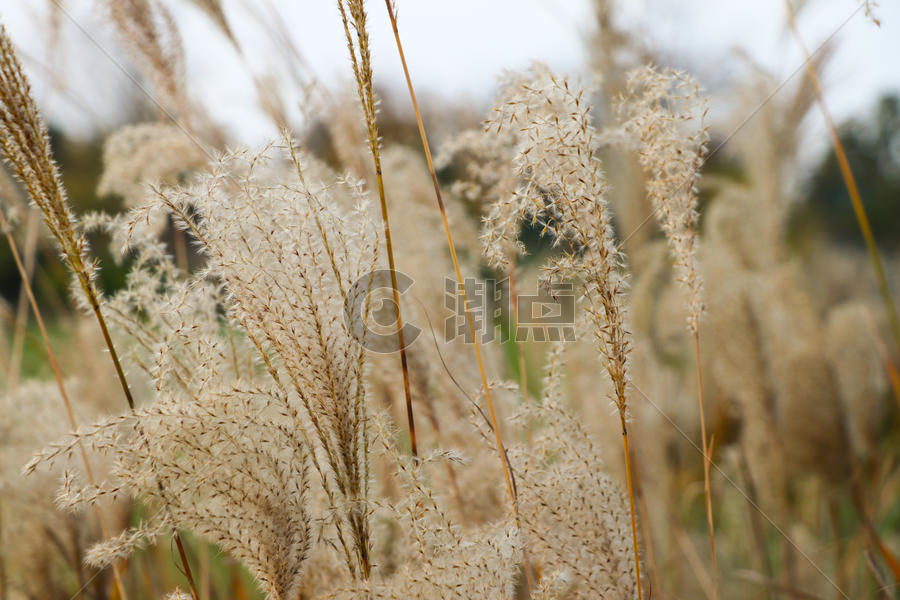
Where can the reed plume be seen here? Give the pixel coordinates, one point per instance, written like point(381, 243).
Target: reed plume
point(656, 109)
point(563, 490)
point(564, 189)
point(151, 39)
point(227, 446)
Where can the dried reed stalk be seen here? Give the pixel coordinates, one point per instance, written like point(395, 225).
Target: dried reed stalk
point(360, 58)
point(657, 105)
point(866, 230)
point(501, 451)
point(707, 449)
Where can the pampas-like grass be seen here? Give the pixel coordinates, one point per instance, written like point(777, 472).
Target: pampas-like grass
point(589, 555)
point(149, 33)
point(664, 114)
point(264, 429)
point(137, 155)
point(564, 188)
point(230, 442)
point(655, 109)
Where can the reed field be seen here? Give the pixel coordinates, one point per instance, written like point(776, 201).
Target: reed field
point(618, 336)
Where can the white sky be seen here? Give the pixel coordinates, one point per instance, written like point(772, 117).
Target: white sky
point(455, 49)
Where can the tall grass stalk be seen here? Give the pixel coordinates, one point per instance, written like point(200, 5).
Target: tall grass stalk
point(630, 489)
point(658, 104)
point(889, 368)
point(707, 449)
point(360, 58)
point(866, 230)
point(440, 202)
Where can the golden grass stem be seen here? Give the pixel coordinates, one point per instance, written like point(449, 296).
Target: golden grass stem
point(630, 489)
point(459, 281)
point(363, 74)
point(57, 374)
point(404, 365)
point(707, 448)
point(859, 210)
point(889, 367)
point(501, 451)
point(643, 513)
point(187, 567)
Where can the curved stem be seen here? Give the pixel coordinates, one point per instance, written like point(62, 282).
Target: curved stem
point(859, 210)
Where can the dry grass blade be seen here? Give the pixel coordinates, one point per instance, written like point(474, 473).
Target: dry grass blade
point(865, 228)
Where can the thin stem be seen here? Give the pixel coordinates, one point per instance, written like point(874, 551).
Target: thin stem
point(459, 281)
point(57, 374)
point(187, 568)
point(849, 182)
point(889, 367)
point(645, 524)
point(404, 365)
point(706, 462)
point(501, 451)
point(362, 72)
point(634, 541)
point(120, 373)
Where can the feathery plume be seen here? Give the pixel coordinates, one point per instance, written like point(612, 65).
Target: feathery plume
point(655, 110)
point(564, 189)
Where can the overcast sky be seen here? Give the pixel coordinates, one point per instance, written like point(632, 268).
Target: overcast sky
point(455, 49)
